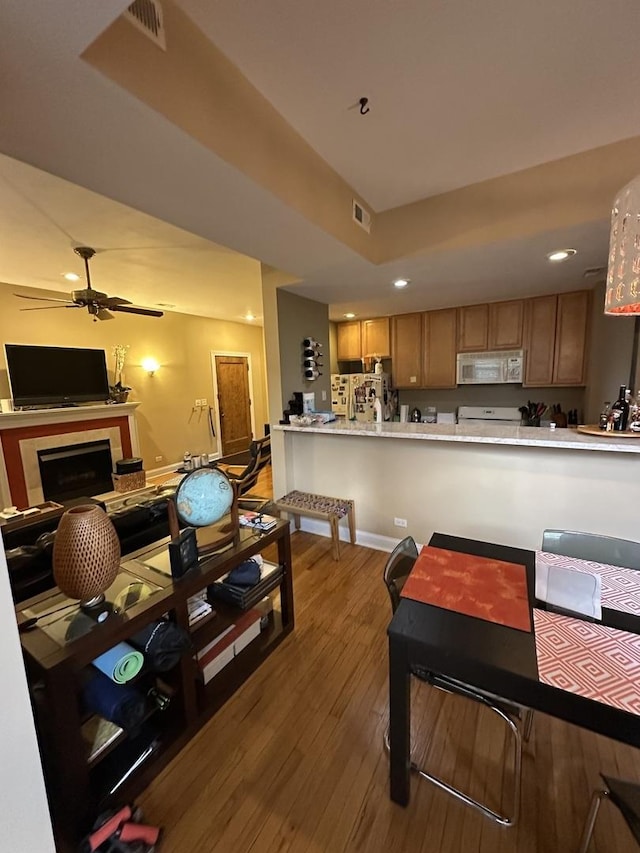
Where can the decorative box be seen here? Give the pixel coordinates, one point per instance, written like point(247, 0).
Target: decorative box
point(129, 482)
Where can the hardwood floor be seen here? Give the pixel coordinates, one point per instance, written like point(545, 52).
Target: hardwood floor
point(294, 762)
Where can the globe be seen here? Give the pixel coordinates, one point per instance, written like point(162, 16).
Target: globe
point(203, 497)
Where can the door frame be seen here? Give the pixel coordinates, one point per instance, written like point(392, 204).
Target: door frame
point(216, 407)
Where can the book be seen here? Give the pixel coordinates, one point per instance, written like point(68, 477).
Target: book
point(258, 520)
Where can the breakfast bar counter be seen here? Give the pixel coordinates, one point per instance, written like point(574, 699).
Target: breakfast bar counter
point(500, 483)
point(482, 433)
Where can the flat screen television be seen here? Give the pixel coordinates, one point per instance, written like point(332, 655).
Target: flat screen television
point(45, 376)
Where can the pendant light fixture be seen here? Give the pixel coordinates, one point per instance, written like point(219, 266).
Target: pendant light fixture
point(623, 275)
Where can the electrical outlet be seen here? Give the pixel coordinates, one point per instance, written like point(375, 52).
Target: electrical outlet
point(203, 402)
point(196, 404)
point(400, 522)
point(158, 458)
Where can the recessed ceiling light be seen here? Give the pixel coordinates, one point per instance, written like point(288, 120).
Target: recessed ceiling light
point(71, 276)
point(401, 282)
point(249, 316)
point(350, 316)
point(560, 255)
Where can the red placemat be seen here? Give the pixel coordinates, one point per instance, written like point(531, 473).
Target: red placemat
point(589, 659)
point(476, 586)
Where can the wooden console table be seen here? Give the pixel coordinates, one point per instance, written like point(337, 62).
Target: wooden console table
point(78, 786)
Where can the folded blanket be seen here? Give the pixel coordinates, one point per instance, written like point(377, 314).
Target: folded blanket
point(162, 643)
point(119, 703)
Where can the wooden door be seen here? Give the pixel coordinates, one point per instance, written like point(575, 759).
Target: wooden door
point(473, 328)
point(505, 324)
point(570, 357)
point(439, 368)
point(406, 350)
point(234, 403)
point(539, 343)
point(349, 341)
point(375, 338)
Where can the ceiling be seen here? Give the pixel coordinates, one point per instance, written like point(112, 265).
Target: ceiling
point(139, 257)
point(458, 93)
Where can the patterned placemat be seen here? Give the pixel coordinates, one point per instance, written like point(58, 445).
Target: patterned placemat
point(589, 659)
point(620, 586)
point(476, 586)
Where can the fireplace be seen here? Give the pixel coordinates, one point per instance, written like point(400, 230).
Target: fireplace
point(24, 434)
point(76, 470)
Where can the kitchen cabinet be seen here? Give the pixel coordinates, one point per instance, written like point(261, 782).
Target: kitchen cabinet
point(556, 332)
point(473, 328)
point(81, 778)
point(439, 336)
point(375, 338)
point(406, 350)
point(505, 324)
point(570, 352)
point(349, 341)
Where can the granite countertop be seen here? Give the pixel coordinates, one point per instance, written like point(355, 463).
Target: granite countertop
point(566, 439)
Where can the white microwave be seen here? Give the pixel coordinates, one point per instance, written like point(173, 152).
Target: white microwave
point(489, 368)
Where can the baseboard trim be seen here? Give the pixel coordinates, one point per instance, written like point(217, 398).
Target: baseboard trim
point(363, 537)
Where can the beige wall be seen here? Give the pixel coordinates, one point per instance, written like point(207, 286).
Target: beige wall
point(299, 318)
point(181, 343)
point(609, 358)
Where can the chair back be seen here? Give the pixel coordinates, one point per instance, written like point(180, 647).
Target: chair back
point(260, 452)
point(398, 567)
point(592, 546)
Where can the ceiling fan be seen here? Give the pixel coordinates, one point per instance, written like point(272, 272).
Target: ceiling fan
point(98, 304)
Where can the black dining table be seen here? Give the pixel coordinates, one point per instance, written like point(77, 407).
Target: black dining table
point(485, 655)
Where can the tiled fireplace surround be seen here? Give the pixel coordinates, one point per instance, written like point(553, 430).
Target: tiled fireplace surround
point(22, 434)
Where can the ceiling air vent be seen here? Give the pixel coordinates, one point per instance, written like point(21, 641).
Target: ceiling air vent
point(361, 216)
point(592, 272)
point(146, 15)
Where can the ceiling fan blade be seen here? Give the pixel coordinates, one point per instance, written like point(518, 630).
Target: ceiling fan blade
point(126, 309)
point(49, 307)
point(39, 298)
point(103, 314)
point(112, 301)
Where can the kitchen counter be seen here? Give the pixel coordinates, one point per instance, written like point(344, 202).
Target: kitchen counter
point(482, 433)
point(503, 483)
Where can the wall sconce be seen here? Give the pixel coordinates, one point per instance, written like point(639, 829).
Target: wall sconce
point(150, 365)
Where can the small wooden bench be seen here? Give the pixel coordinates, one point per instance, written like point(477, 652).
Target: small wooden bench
point(319, 506)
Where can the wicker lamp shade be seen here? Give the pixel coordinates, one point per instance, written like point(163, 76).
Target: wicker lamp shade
point(86, 553)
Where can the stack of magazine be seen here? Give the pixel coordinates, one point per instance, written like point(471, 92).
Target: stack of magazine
point(257, 520)
point(247, 596)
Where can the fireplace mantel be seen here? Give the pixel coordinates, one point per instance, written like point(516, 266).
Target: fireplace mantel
point(21, 426)
point(37, 417)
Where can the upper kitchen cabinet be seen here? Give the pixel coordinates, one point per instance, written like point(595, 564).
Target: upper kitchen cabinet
point(376, 338)
point(572, 323)
point(506, 321)
point(349, 341)
point(556, 339)
point(439, 338)
point(473, 328)
point(406, 350)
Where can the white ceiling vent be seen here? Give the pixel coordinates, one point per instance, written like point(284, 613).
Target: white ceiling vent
point(146, 15)
point(592, 272)
point(361, 216)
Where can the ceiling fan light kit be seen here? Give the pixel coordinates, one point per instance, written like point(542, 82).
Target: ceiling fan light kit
point(98, 304)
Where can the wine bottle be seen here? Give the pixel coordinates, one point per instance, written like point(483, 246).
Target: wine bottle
point(311, 374)
point(604, 415)
point(620, 411)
